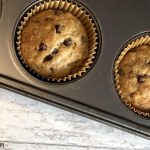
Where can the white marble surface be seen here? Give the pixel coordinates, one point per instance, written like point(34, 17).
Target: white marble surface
point(26, 124)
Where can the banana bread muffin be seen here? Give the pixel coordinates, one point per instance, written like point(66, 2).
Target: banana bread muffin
point(134, 77)
point(54, 44)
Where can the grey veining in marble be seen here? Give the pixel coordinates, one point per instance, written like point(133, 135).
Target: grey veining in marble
point(26, 124)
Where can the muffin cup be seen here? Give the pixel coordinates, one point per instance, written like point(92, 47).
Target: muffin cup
point(136, 43)
point(85, 19)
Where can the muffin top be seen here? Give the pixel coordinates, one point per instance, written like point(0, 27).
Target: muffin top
point(134, 77)
point(54, 44)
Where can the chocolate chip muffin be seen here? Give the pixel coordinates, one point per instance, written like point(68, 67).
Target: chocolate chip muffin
point(54, 43)
point(134, 77)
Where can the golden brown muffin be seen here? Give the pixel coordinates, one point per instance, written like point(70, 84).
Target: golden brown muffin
point(54, 44)
point(134, 77)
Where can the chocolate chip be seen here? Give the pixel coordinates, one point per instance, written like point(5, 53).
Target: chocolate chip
point(121, 72)
point(58, 28)
point(48, 58)
point(68, 42)
point(51, 69)
point(83, 39)
point(58, 12)
point(42, 47)
point(55, 51)
point(141, 79)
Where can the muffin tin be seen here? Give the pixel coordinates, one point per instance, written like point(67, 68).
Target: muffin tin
point(94, 95)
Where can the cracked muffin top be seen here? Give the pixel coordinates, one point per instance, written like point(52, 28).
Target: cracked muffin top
point(134, 77)
point(54, 44)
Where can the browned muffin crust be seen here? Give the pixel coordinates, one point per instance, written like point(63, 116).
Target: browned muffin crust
point(134, 77)
point(54, 44)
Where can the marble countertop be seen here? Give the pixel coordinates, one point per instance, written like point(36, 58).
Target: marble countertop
point(26, 124)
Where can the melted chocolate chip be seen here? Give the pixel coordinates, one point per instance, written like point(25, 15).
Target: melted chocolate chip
point(42, 47)
point(58, 28)
point(58, 12)
point(55, 51)
point(141, 79)
point(121, 72)
point(48, 58)
point(68, 42)
point(51, 69)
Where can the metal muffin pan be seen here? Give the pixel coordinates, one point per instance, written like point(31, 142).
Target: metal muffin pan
point(93, 95)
